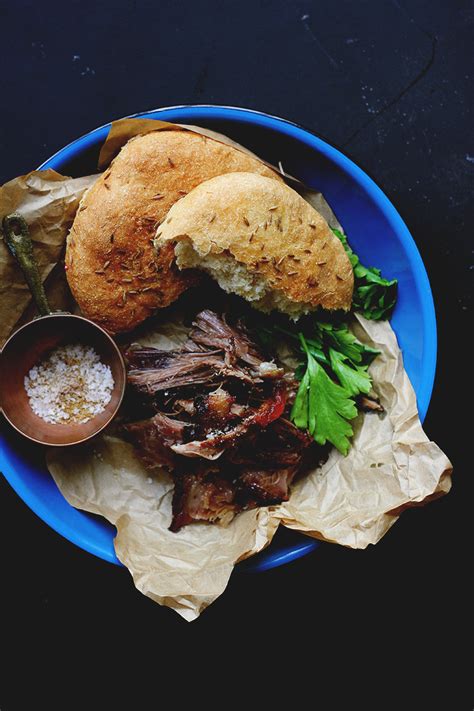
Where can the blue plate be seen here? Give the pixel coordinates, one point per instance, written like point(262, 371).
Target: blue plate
point(376, 232)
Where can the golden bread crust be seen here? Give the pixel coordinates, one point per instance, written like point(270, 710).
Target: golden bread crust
point(112, 269)
point(269, 228)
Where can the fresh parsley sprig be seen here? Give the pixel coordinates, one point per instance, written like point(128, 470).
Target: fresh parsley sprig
point(322, 407)
point(374, 297)
point(334, 374)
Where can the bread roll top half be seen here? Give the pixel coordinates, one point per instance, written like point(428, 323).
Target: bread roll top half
point(112, 268)
point(261, 240)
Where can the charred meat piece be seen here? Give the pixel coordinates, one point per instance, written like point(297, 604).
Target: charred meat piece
point(270, 461)
point(280, 445)
point(154, 437)
point(216, 442)
point(215, 407)
point(266, 487)
point(202, 497)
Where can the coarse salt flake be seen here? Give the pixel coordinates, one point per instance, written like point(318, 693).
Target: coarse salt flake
point(71, 385)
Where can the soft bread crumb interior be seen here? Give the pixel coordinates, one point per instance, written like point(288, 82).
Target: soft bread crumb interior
point(234, 278)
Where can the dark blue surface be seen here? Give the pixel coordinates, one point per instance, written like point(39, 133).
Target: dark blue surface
point(377, 234)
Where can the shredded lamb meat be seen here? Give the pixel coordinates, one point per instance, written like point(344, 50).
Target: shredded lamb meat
point(202, 497)
point(171, 369)
point(217, 422)
point(216, 443)
point(154, 438)
point(212, 331)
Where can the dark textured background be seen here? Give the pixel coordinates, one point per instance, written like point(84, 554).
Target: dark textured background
point(390, 83)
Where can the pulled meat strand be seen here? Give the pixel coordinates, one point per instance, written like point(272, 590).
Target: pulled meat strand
point(173, 369)
point(154, 437)
point(369, 404)
point(212, 331)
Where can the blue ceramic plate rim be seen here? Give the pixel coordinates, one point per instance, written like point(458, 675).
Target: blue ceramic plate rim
point(195, 113)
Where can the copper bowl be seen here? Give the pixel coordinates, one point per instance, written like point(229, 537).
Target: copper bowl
point(29, 345)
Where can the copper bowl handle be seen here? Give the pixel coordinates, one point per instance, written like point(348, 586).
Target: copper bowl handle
point(18, 240)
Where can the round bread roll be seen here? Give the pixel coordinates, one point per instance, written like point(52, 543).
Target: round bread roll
point(258, 238)
point(112, 269)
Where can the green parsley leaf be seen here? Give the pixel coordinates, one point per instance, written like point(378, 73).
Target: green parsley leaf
point(353, 258)
point(334, 374)
point(332, 409)
point(374, 297)
point(322, 406)
point(300, 409)
point(343, 340)
point(354, 378)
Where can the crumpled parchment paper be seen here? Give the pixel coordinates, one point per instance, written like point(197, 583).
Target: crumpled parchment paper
point(185, 571)
point(350, 500)
point(391, 465)
point(48, 201)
